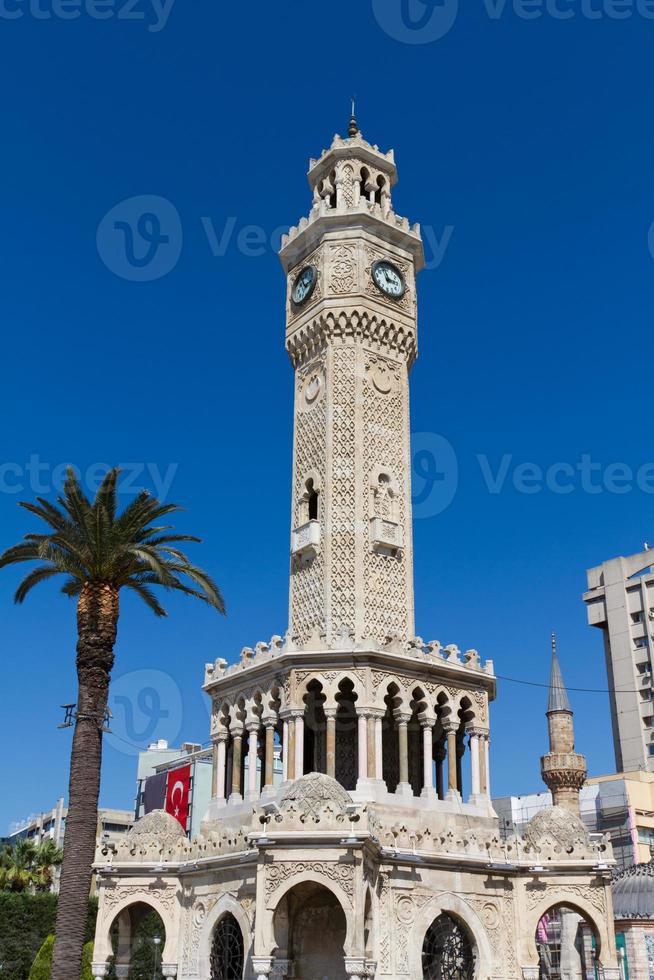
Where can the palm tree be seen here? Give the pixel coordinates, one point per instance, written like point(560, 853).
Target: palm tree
point(100, 552)
point(26, 865)
point(16, 866)
point(46, 857)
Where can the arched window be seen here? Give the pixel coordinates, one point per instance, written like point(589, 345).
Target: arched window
point(227, 950)
point(447, 952)
point(312, 500)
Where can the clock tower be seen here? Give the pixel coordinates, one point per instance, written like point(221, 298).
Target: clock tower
point(351, 334)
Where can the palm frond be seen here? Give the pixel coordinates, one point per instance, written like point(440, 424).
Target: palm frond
point(37, 575)
point(147, 595)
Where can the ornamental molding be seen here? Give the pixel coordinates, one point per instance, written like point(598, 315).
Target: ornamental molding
point(592, 894)
point(279, 872)
point(357, 325)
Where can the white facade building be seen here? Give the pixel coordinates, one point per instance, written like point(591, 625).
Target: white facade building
point(620, 601)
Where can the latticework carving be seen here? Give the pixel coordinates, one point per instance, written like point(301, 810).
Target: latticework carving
point(343, 516)
point(307, 575)
point(387, 606)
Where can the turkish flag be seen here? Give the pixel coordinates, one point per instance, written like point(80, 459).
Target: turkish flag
point(177, 793)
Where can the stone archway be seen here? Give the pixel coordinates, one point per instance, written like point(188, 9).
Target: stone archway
point(310, 931)
point(137, 938)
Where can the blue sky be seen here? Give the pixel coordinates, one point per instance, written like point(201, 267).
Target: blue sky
point(529, 139)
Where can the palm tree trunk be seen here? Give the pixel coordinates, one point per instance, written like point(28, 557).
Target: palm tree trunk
point(97, 622)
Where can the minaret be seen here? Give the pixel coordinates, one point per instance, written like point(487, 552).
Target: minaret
point(351, 336)
point(563, 770)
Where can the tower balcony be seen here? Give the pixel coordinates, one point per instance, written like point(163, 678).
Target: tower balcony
point(386, 535)
point(305, 540)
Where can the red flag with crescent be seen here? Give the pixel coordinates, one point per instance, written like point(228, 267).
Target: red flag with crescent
point(177, 793)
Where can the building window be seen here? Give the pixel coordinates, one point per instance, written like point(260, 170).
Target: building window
point(227, 950)
point(646, 834)
point(447, 952)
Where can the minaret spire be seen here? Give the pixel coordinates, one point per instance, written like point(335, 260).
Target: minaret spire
point(558, 699)
point(563, 770)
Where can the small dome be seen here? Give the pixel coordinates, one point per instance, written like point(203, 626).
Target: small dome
point(633, 892)
point(557, 824)
point(313, 791)
point(157, 824)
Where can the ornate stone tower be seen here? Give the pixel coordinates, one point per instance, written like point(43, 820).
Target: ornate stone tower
point(351, 336)
point(563, 770)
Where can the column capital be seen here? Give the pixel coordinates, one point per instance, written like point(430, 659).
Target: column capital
point(262, 966)
point(220, 736)
point(253, 726)
point(287, 714)
point(169, 970)
point(477, 732)
point(426, 721)
point(330, 712)
point(269, 721)
point(99, 970)
point(402, 717)
point(366, 712)
point(451, 727)
point(375, 712)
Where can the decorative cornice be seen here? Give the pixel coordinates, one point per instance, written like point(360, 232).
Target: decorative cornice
point(353, 325)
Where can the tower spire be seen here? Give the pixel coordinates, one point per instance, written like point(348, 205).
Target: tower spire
point(563, 770)
point(353, 128)
point(558, 697)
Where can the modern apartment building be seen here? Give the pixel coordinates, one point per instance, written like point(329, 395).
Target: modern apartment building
point(620, 601)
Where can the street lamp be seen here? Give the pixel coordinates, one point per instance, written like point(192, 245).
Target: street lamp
point(156, 940)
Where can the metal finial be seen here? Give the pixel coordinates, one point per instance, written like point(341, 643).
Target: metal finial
point(554, 643)
point(353, 128)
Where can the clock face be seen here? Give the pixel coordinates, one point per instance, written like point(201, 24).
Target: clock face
point(388, 278)
point(304, 285)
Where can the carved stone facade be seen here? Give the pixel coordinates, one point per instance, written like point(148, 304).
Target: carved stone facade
point(381, 842)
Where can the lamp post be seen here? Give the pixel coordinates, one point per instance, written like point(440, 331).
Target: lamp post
point(156, 940)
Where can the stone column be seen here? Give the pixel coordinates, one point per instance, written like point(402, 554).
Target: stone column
point(362, 742)
point(299, 743)
point(218, 774)
point(253, 745)
point(475, 780)
point(290, 748)
point(483, 764)
point(379, 751)
point(487, 762)
point(403, 718)
point(372, 748)
point(452, 784)
point(428, 757)
point(269, 752)
point(285, 737)
point(330, 746)
point(237, 748)
point(440, 758)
